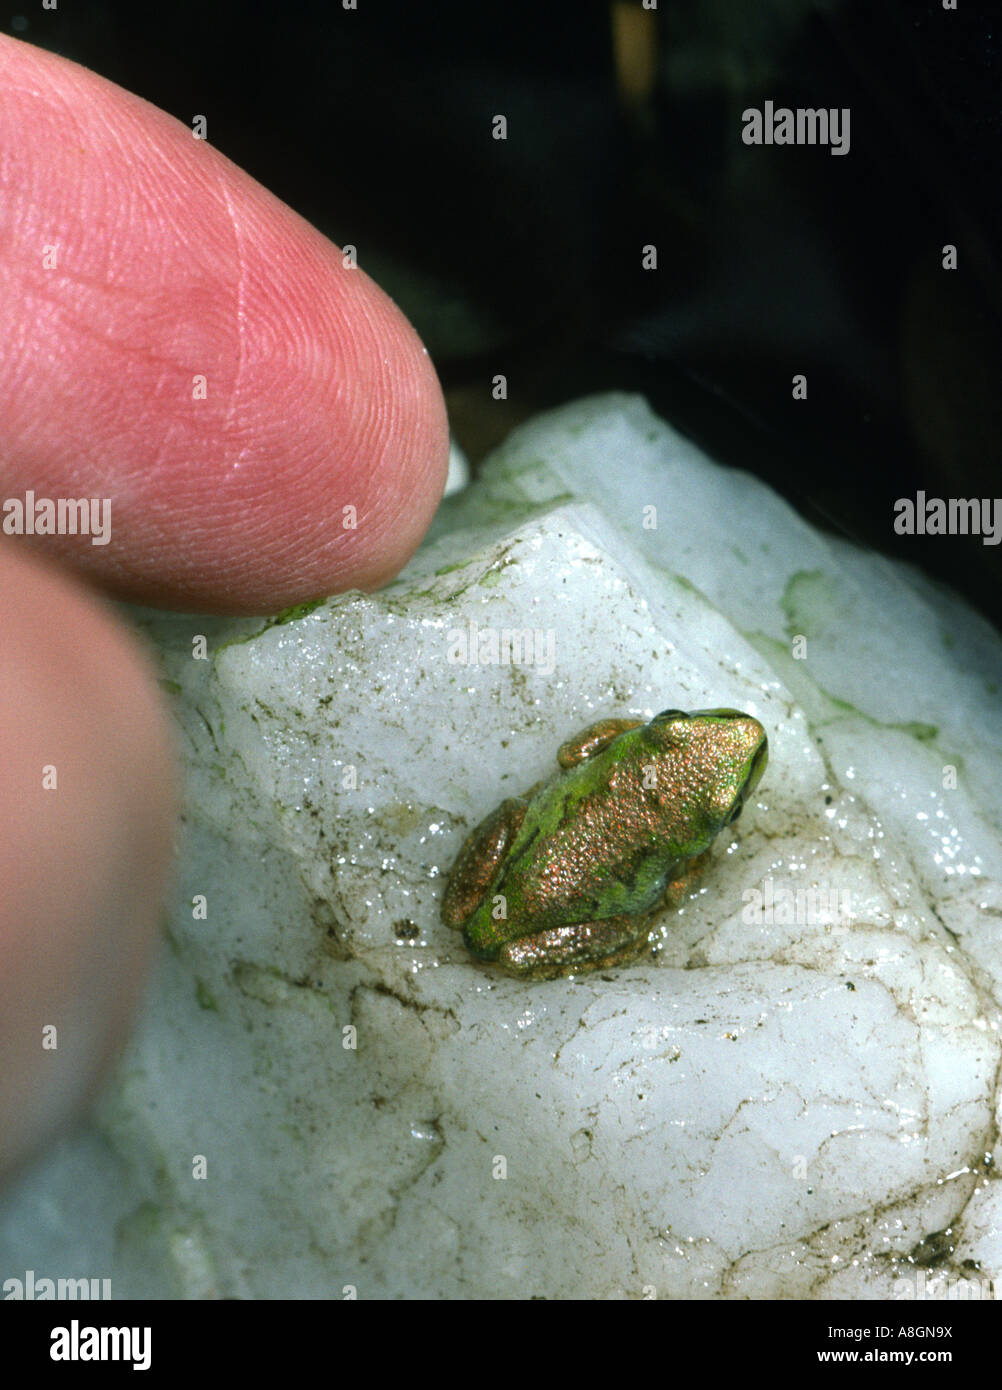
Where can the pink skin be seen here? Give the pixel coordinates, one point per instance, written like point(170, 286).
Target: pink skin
point(170, 263)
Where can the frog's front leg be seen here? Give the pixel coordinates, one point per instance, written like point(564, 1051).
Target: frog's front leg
point(478, 860)
point(683, 880)
point(592, 740)
point(584, 946)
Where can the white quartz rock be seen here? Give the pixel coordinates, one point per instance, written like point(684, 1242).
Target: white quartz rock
point(794, 1096)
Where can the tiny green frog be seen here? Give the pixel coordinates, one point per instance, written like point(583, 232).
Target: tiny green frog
point(569, 876)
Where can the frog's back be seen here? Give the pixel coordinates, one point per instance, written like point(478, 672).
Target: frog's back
point(586, 852)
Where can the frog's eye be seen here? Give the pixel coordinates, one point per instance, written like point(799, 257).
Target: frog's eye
point(667, 714)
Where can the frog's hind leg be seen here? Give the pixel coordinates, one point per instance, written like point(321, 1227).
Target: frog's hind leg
point(478, 860)
point(573, 950)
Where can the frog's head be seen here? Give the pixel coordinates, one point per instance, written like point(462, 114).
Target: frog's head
point(720, 755)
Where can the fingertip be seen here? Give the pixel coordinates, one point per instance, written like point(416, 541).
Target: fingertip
point(87, 810)
point(262, 421)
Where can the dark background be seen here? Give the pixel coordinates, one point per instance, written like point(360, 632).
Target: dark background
point(523, 257)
